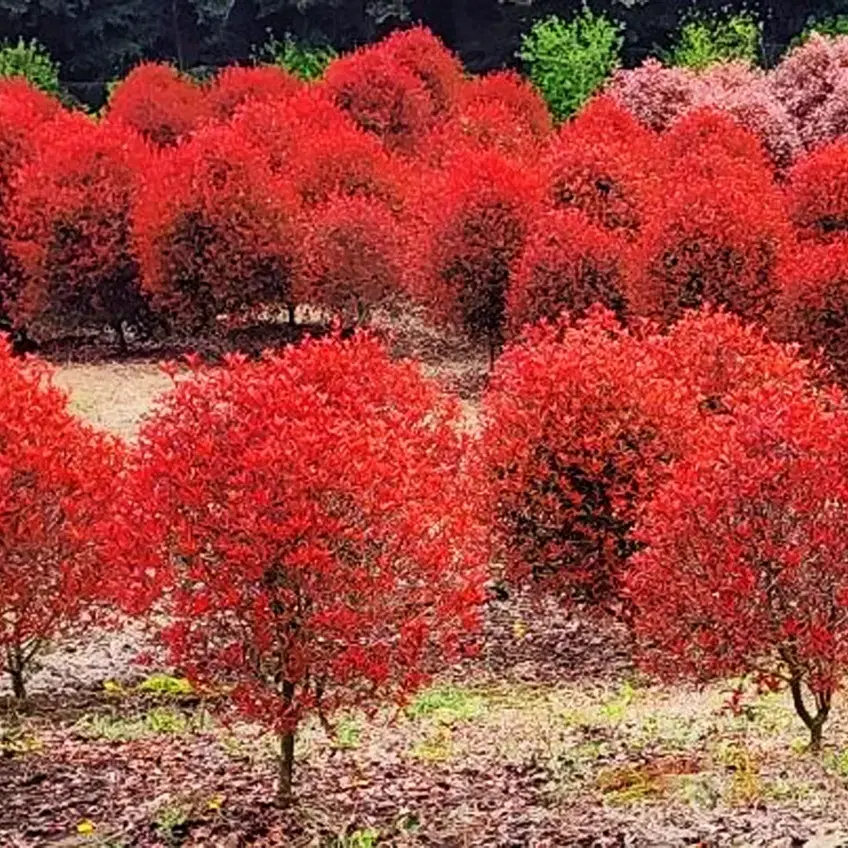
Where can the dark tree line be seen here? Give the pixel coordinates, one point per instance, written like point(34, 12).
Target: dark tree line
point(97, 40)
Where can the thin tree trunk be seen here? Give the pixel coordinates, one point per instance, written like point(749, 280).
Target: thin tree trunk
point(292, 319)
point(178, 41)
point(15, 665)
point(284, 793)
point(815, 723)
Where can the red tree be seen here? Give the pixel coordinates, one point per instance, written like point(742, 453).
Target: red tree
point(568, 263)
point(581, 424)
point(235, 85)
point(817, 193)
point(214, 230)
point(351, 258)
point(307, 525)
point(711, 241)
point(69, 227)
point(812, 308)
point(602, 163)
point(746, 569)
point(475, 220)
point(420, 52)
point(159, 102)
point(57, 480)
point(382, 95)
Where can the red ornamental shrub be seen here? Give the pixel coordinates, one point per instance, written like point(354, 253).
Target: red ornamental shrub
point(571, 447)
point(581, 423)
point(351, 257)
point(746, 569)
point(818, 193)
point(234, 86)
point(214, 230)
point(69, 226)
point(655, 95)
point(813, 305)
point(57, 480)
point(516, 93)
point(706, 137)
point(477, 219)
point(159, 102)
point(710, 241)
point(420, 52)
point(602, 163)
point(307, 525)
point(480, 126)
point(382, 96)
point(568, 263)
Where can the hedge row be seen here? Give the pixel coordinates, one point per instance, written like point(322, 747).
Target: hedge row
point(396, 177)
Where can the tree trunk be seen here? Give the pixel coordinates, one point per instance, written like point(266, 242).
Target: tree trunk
point(292, 320)
point(15, 665)
point(284, 792)
point(815, 723)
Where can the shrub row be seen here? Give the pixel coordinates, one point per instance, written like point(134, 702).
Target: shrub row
point(313, 530)
point(398, 178)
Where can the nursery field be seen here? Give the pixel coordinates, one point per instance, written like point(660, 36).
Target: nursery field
point(549, 737)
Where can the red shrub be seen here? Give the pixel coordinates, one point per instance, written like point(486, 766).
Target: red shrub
point(476, 220)
point(69, 226)
point(818, 193)
point(746, 569)
point(513, 91)
point(214, 230)
point(306, 523)
point(420, 52)
point(571, 447)
point(382, 96)
point(605, 173)
point(813, 305)
point(581, 425)
point(568, 263)
point(654, 94)
point(710, 241)
point(234, 86)
point(480, 126)
point(707, 137)
point(351, 257)
point(57, 481)
point(159, 102)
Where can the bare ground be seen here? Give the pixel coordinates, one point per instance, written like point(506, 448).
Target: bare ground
point(549, 738)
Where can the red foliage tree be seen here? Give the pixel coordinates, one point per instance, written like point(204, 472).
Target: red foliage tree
point(475, 221)
point(817, 193)
point(812, 308)
point(69, 227)
point(746, 565)
point(568, 263)
point(420, 52)
point(711, 241)
point(214, 230)
point(516, 93)
point(382, 95)
point(57, 480)
point(602, 163)
point(351, 258)
point(306, 583)
point(159, 102)
point(581, 424)
point(235, 85)
point(23, 110)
